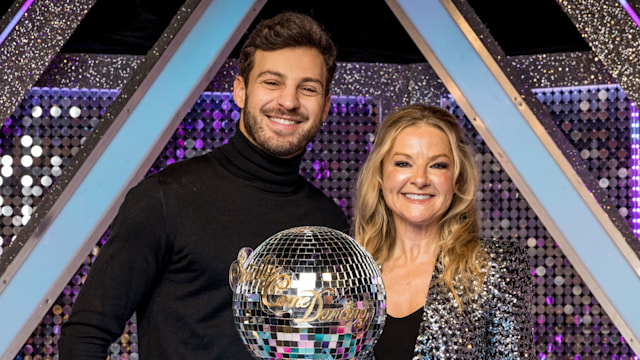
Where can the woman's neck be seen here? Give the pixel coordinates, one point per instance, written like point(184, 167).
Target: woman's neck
point(415, 244)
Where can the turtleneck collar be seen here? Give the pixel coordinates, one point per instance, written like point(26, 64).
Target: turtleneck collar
point(266, 171)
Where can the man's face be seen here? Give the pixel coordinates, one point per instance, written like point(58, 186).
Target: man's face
point(284, 102)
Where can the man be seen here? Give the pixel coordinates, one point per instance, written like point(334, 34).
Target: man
point(179, 230)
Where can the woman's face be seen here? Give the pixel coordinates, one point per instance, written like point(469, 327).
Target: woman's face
point(417, 177)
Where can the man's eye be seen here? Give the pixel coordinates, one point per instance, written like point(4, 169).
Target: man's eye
point(309, 90)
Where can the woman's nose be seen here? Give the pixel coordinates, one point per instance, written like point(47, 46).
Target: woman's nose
point(420, 178)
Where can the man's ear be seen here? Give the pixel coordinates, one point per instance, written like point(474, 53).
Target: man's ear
point(239, 91)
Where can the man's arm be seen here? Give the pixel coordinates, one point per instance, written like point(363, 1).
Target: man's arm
point(125, 271)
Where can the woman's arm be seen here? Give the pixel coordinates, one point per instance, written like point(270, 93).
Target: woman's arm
point(510, 286)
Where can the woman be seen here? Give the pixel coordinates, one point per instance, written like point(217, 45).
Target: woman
point(450, 295)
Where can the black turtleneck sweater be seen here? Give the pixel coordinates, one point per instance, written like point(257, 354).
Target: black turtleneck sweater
point(171, 246)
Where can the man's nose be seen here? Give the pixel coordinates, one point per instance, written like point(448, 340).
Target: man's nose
point(288, 98)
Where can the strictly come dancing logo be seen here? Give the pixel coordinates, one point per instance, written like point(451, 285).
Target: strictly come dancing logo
point(285, 293)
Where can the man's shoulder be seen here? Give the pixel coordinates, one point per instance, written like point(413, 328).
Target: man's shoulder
point(193, 173)
point(193, 169)
point(327, 206)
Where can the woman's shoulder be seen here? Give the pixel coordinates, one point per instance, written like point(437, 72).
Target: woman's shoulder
point(499, 248)
point(508, 255)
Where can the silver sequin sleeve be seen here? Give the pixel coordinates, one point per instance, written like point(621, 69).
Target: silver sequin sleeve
point(495, 324)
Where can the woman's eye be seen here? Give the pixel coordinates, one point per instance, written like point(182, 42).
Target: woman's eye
point(402, 164)
point(441, 165)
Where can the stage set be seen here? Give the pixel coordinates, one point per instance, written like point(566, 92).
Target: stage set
point(557, 137)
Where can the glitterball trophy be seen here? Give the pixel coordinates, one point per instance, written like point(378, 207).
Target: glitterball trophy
point(308, 293)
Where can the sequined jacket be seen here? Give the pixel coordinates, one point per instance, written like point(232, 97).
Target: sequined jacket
point(496, 324)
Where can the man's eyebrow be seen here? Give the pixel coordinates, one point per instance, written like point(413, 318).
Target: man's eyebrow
point(310, 79)
point(269, 72)
point(281, 76)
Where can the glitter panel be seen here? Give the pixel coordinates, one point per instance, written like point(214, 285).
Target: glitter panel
point(562, 69)
point(92, 72)
point(424, 85)
point(568, 321)
point(394, 85)
point(629, 9)
point(612, 35)
point(308, 292)
point(23, 59)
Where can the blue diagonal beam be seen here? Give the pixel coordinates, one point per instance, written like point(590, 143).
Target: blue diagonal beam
point(596, 248)
point(77, 211)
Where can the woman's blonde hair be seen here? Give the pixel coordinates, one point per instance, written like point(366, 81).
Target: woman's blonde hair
point(460, 253)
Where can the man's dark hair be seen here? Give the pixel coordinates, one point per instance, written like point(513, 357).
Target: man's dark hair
point(283, 31)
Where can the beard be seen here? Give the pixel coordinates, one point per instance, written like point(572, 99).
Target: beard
point(274, 144)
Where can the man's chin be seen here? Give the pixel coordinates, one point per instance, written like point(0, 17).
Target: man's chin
point(284, 150)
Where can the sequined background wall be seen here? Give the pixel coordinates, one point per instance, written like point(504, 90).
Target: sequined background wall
point(49, 126)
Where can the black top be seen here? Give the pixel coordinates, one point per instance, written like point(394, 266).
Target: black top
point(171, 246)
point(398, 339)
